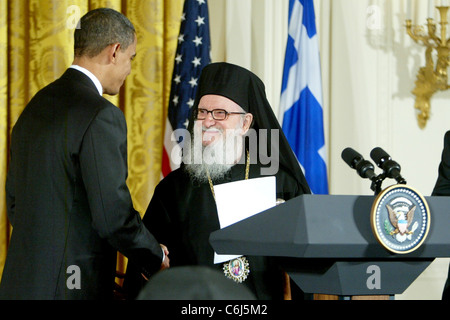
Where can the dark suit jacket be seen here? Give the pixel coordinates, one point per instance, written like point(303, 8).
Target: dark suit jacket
point(67, 197)
point(442, 188)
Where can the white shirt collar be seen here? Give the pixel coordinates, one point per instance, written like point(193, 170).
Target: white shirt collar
point(91, 76)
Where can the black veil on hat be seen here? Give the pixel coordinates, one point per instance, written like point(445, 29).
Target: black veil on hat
point(248, 91)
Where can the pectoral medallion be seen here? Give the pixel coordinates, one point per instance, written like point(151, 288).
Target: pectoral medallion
point(237, 269)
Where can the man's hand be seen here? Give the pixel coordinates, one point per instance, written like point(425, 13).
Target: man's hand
point(165, 264)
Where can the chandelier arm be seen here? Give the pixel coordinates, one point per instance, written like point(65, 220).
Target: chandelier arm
point(433, 76)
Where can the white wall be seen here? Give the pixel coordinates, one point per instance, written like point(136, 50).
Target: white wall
point(369, 66)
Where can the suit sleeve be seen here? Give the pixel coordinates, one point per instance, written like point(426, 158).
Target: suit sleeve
point(103, 162)
point(442, 187)
point(157, 220)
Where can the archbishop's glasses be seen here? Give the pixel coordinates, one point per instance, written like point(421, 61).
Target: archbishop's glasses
point(217, 114)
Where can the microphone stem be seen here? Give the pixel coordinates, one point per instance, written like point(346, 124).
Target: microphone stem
point(376, 183)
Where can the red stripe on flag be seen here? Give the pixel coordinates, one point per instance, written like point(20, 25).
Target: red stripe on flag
point(165, 166)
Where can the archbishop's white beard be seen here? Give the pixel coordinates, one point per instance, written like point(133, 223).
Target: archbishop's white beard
point(218, 157)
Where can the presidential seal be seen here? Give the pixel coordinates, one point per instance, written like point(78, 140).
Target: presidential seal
point(236, 269)
point(400, 219)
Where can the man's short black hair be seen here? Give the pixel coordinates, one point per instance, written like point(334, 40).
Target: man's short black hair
point(99, 28)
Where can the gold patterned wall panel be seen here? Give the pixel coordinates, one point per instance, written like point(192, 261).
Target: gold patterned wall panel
point(146, 92)
point(18, 75)
point(114, 4)
point(40, 46)
point(50, 42)
point(4, 225)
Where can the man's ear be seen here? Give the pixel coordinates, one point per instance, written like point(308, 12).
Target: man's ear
point(248, 120)
point(113, 49)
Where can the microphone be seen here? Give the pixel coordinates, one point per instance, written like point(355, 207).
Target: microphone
point(389, 166)
point(356, 161)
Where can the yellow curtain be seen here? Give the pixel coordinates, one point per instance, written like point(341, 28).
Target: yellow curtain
point(36, 46)
point(4, 226)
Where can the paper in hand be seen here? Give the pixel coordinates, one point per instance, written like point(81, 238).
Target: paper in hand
point(242, 199)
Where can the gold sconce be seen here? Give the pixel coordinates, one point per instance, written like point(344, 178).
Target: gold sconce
point(433, 76)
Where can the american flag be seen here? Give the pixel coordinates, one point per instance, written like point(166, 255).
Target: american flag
point(193, 53)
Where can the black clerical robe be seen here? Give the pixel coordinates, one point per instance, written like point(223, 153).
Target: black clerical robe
point(182, 214)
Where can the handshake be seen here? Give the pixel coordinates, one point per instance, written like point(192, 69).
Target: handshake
point(165, 264)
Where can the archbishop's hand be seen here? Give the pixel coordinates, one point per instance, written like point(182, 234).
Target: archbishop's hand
point(166, 262)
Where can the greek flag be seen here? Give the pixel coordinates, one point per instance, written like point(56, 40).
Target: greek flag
point(301, 111)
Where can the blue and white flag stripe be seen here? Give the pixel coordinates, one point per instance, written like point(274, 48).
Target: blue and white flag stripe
point(301, 111)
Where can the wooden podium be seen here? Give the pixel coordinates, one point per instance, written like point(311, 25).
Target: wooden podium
point(326, 245)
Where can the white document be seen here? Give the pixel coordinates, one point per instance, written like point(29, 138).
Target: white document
point(239, 200)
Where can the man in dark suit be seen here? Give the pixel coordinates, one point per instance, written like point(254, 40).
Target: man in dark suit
point(67, 197)
point(442, 188)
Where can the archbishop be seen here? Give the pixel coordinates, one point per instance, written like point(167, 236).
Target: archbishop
point(231, 118)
